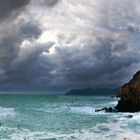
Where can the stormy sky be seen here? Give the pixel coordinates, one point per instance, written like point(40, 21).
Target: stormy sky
point(64, 44)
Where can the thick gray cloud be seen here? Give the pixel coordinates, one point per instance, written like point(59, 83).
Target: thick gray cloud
point(55, 44)
point(11, 7)
point(11, 41)
point(27, 71)
point(50, 3)
point(105, 64)
point(44, 3)
point(29, 30)
point(13, 32)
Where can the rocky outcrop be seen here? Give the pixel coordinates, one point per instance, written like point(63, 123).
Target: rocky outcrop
point(107, 109)
point(130, 96)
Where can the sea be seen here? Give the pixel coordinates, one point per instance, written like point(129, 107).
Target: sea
point(60, 117)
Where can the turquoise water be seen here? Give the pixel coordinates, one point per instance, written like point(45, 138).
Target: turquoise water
point(43, 117)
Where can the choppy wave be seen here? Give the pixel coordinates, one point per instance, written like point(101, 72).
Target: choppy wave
point(6, 112)
point(67, 120)
point(83, 110)
point(113, 103)
point(105, 131)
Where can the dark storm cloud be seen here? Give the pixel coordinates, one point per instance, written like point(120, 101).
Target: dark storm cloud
point(97, 65)
point(11, 40)
point(50, 3)
point(11, 36)
point(29, 30)
point(11, 7)
point(78, 49)
point(28, 72)
point(45, 3)
point(133, 28)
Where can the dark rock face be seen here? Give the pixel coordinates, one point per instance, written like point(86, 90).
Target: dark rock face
point(107, 109)
point(130, 95)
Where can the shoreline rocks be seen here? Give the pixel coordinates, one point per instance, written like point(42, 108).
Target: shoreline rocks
point(130, 96)
point(106, 109)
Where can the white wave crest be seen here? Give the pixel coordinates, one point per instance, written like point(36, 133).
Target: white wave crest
point(83, 110)
point(115, 132)
point(6, 112)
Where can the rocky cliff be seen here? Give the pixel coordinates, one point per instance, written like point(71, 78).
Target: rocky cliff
point(130, 95)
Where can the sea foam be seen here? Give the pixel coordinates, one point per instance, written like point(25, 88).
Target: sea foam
point(112, 131)
point(87, 110)
point(6, 112)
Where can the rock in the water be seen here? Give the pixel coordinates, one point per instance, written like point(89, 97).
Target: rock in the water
point(130, 96)
point(129, 116)
point(109, 109)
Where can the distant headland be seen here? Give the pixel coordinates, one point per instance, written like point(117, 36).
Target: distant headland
point(129, 95)
point(92, 91)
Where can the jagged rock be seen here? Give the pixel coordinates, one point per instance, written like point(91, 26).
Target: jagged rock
point(107, 109)
point(129, 116)
point(130, 95)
